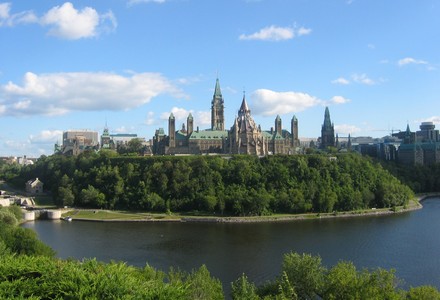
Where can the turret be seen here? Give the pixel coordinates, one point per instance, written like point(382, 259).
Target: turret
point(172, 130)
point(294, 130)
point(278, 125)
point(189, 124)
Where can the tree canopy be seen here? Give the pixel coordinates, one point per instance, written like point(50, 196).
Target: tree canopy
point(237, 185)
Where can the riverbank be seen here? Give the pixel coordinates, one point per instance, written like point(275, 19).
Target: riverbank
point(124, 216)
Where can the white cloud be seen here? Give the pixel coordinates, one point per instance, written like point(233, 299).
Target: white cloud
point(6, 19)
point(341, 80)
point(275, 33)
point(46, 137)
point(133, 2)
point(269, 103)
point(4, 10)
point(201, 118)
point(410, 60)
point(434, 119)
point(60, 93)
point(64, 21)
point(363, 79)
point(346, 129)
point(150, 118)
point(339, 100)
point(69, 23)
point(303, 31)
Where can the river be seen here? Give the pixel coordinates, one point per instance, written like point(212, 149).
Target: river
point(407, 242)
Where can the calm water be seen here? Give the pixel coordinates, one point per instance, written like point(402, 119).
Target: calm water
point(409, 243)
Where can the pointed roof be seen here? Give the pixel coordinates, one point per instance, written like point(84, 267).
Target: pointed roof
point(190, 117)
point(217, 91)
point(171, 116)
point(327, 121)
point(244, 108)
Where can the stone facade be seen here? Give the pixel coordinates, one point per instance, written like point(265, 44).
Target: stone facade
point(34, 186)
point(244, 137)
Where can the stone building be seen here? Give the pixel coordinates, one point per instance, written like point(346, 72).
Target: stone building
point(34, 186)
point(421, 147)
point(244, 137)
point(77, 141)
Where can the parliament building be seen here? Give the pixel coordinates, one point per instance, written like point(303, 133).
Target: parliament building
point(243, 137)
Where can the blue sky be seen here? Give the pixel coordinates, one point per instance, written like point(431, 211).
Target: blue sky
point(129, 63)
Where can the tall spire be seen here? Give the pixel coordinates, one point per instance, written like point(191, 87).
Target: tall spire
point(327, 121)
point(217, 91)
point(244, 108)
point(327, 131)
point(217, 109)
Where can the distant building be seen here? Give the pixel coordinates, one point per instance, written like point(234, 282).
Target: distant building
point(24, 161)
point(421, 147)
point(244, 137)
point(34, 186)
point(112, 141)
point(327, 132)
point(78, 141)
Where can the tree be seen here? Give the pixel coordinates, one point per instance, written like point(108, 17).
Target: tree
point(242, 289)
point(423, 293)
point(306, 273)
point(92, 197)
point(65, 196)
point(7, 217)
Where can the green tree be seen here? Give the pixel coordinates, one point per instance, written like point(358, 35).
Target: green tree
point(423, 293)
point(65, 196)
point(242, 289)
point(92, 197)
point(306, 273)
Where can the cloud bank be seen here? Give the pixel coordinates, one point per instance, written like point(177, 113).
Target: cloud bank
point(65, 21)
point(346, 129)
point(268, 103)
point(411, 61)
point(60, 93)
point(201, 118)
point(275, 33)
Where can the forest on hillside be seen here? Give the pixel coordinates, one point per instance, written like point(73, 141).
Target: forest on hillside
point(237, 185)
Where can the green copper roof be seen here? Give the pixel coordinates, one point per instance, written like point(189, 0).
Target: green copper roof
point(208, 134)
point(217, 92)
point(274, 135)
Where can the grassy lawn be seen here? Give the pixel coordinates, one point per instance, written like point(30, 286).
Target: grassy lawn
point(115, 215)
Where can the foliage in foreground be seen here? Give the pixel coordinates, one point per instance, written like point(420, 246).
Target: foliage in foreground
point(14, 239)
point(238, 185)
point(302, 277)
